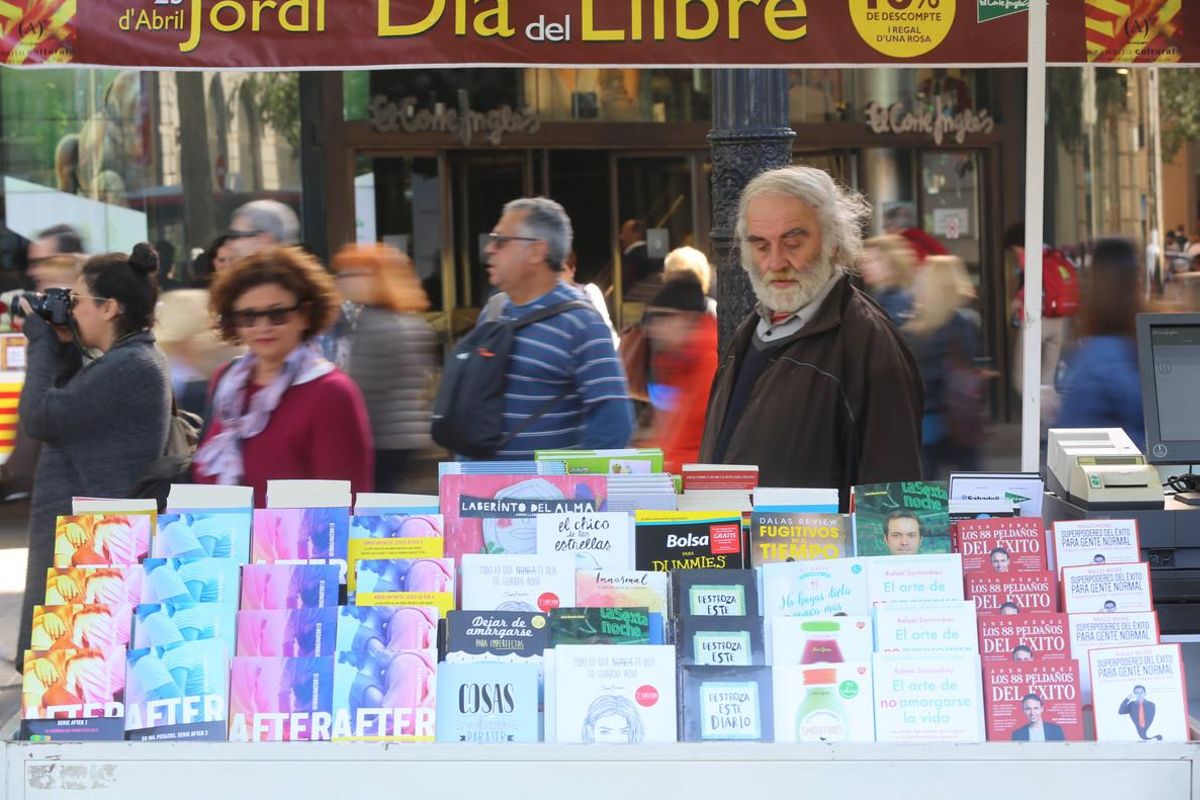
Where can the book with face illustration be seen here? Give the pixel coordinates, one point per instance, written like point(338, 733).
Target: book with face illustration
point(203, 534)
point(92, 540)
point(178, 692)
point(1139, 693)
point(73, 695)
point(1032, 701)
point(385, 695)
point(903, 518)
point(301, 536)
point(517, 582)
point(614, 694)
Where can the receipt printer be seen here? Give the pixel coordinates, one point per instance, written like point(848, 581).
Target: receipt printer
point(1100, 468)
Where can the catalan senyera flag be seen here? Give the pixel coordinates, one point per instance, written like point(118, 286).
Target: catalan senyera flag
point(37, 31)
point(1133, 31)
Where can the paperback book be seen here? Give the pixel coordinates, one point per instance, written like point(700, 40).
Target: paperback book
point(1033, 702)
point(827, 588)
point(720, 477)
point(708, 641)
point(517, 582)
point(615, 694)
point(946, 627)
point(198, 580)
point(294, 633)
point(1095, 541)
point(203, 534)
point(487, 702)
point(512, 636)
point(671, 540)
point(800, 641)
point(726, 704)
point(1106, 588)
point(617, 588)
point(928, 698)
point(392, 536)
point(406, 582)
point(1093, 631)
point(598, 541)
point(91, 540)
point(1004, 638)
point(714, 592)
point(302, 536)
point(824, 702)
point(280, 586)
point(80, 627)
point(1139, 693)
point(166, 624)
point(796, 536)
point(114, 586)
point(1013, 593)
point(385, 695)
point(178, 692)
point(1025, 490)
point(915, 579)
point(1016, 544)
point(281, 699)
point(628, 461)
point(599, 626)
point(366, 628)
point(904, 518)
point(73, 695)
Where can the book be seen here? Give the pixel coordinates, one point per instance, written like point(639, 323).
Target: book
point(504, 582)
point(617, 588)
point(210, 497)
point(1015, 544)
point(385, 695)
point(406, 581)
point(301, 536)
point(178, 692)
point(714, 592)
point(288, 494)
point(720, 477)
point(278, 586)
point(945, 627)
point(1013, 593)
point(513, 636)
point(608, 626)
point(1139, 693)
point(73, 695)
point(387, 628)
point(671, 540)
point(774, 499)
point(797, 536)
point(826, 588)
point(1033, 702)
point(166, 624)
point(115, 505)
point(709, 641)
point(1095, 541)
point(603, 540)
point(291, 633)
point(903, 518)
point(1105, 588)
point(367, 503)
point(614, 694)
point(800, 641)
point(114, 586)
point(197, 580)
point(203, 534)
point(726, 704)
point(1119, 629)
point(95, 626)
point(487, 702)
point(928, 698)
point(1005, 638)
point(628, 493)
point(1022, 489)
point(501, 468)
point(498, 513)
point(114, 540)
point(280, 699)
point(628, 461)
point(704, 500)
point(824, 702)
point(386, 536)
point(915, 579)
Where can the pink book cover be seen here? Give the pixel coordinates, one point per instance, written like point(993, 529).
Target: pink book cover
point(1013, 544)
point(282, 586)
point(1005, 638)
point(1033, 702)
point(1013, 593)
point(498, 513)
point(73, 683)
point(295, 633)
point(95, 626)
point(115, 540)
point(114, 586)
point(280, 699)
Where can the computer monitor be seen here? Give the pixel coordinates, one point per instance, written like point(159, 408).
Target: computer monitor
point(1169, 361)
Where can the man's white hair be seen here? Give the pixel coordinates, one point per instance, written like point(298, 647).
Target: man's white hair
point(840, 210)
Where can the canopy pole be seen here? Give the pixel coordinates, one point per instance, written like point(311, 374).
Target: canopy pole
point(1035, 157)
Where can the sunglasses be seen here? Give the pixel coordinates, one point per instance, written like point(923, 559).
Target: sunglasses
point(500, 239)
point(76, 297)
point(249, 317)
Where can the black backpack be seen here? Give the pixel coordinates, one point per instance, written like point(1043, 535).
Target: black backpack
point(468, 414)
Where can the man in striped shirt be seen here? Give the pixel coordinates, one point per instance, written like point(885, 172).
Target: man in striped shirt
point(565, 365)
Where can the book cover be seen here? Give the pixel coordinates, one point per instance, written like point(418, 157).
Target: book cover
point(1033, 702)
point(277, 586)
point(726, 704)
point(719, 477)
point(368, 628)
point(1095, 541)
point(1025, 490)
point(1014, 593)
point(1016, 544)
point(197, 580)
point(406, 581)
point(177, 692)
point(385, 695)
point(903, 518)
point(517, 582)
point(598, 541)
point(607, 626)
point(919, 579)
point(1024, 637)
point(827, 588)
point(203, 534)
point(824, 702)
point(498, 513)
point(500, 468)
point(928, 698)
point(487, 702)
point(782, 536)
point(90, 540)
point(614, 694)
point(781, 499)
point(1092, 631)
point(166, 624)
point(1139, 693)
point(96, 626)
point(302, 536)
point(280, 699)
point(515, 636)
point(617, 588)
point(1107, 588)
point(73, 695)
point(627, 461)
point(385, 536)
point(719, 641)
point(114, 586)
point(800, 641)
point(671, 540)
point(714, 592)
point(294, 633)
point(945, 627)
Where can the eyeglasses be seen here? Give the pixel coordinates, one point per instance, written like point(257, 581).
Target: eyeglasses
point(360, 273)
point(249, 317)
point(243, 234)
point(500, 239)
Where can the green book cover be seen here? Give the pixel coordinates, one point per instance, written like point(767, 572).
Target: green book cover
point(905, 518)
point(599, 626)
point(606, 462)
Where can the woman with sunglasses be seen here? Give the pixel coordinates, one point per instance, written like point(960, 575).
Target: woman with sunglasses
point(281, 411)
point(103, 423)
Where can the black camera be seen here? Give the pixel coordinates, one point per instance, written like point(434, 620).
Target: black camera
point(52, 305)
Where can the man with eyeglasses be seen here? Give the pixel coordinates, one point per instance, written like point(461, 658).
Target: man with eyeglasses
point(260, 224)
point(565, 386)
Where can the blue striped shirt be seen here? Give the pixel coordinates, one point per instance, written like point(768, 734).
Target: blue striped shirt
point(570, 352)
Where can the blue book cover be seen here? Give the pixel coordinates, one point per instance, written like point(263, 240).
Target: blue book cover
point(198, 580)
point(203, 534)
point(177, 692)
point(385, 695)
point(166, 624)
point(290, 633)
point(487, 702)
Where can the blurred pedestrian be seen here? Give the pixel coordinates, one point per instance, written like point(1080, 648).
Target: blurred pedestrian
point(184, 331)
point(260, 224)
point(592, 292)
point(887, 270)
point(683, 260)
point(281, 411)
point(391, 355)
point(899, 220)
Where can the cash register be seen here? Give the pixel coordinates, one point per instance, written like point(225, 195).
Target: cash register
point(1101, 474)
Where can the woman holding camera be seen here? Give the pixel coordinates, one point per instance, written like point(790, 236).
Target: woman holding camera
point(101, 424)
point(281, 411)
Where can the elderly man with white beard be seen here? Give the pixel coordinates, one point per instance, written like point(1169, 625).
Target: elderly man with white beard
point(817, 387)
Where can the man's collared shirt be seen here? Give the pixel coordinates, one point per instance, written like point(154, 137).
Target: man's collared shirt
point(768, 331)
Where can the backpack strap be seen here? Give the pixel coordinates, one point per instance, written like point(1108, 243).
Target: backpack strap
point(549, 311)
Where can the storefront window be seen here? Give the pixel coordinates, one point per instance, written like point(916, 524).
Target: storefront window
point(823, 95)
